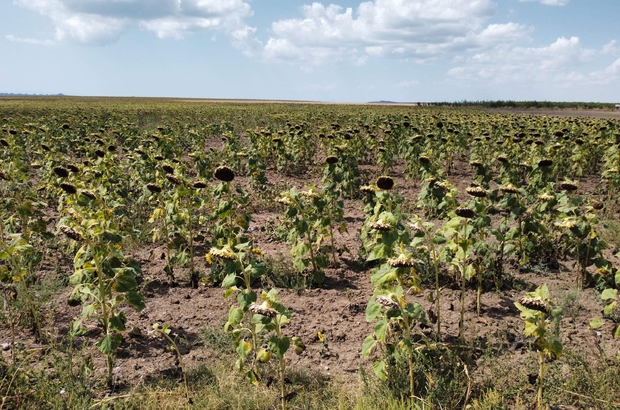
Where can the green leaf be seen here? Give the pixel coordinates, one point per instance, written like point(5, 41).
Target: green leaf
point(245, 299)
point(243, 348)
point(379, 368)
point(381, 328)
point(369, 343)
point(229, 280)
point(111, 237)
point(109, 343)
point(372, 310)
point(87, 311)
point(76, 328)
point(531, 329)
point(609, 294)
point(414, 310)
point(279, 346)
point(596, 323)
point(117, 322)
point(135, 300)
point(384, 276)
point(608, 310)
point(125, 280)
point(235, 316)
point(617, 332)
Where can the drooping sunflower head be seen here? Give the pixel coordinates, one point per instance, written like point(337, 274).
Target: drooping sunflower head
point(465, 212)
point(388, 301)
point(61, 171)
point(154, 188)
point(568, 186)
point(385, 182)
point(263, 309)
point(68, 188)
point(477, 191)
point(332, 159)
point(224, 173)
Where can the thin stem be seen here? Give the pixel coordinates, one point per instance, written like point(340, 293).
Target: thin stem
point(282, 367)
point(176, 349)
point(539, 396)
point(193, 276)
point(104, 305)
point(437, 289)
point(169, 268)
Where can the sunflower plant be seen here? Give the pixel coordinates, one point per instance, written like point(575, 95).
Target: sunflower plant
point(395, 319)
point(538, 311)
point(104, 278)
point(306, 214)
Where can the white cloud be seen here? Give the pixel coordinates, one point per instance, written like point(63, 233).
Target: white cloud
point(550, 2)
point(559, 63)
point(610, 48)
point(104, 21)
point(15, 39)
point(406, 29)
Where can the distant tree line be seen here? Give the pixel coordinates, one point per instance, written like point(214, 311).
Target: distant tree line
point(529, 104)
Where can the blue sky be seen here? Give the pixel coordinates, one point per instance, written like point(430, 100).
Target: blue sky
point(345, 51)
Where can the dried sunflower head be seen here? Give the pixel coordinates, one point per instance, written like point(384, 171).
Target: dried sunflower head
point(381, 225)
point(154, 188)
point(199, 185)
point(424, 159)
point(546, 196)
point(477, 191)
point(417, 229)
point(536, 303)
point(332, 159)
point(568, 186)
point(545, 162)
point(100, 153)
point(73, 168)
point(61, 172)
point(173, 179)
point(263, 309)
point(68, 188)
point(70, 233)
point(225, 252)
point(88, 194)
point(224, 173)
point(168, 168)
point(509, 189)
point(385, 182)
point(368, 189)
point(388, 302)
point(402, 261)
point(464, 212)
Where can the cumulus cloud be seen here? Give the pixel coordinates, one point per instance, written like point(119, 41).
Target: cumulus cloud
point(561, 62)
point(417, 30)
point(104, 21)
point(549, 2)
